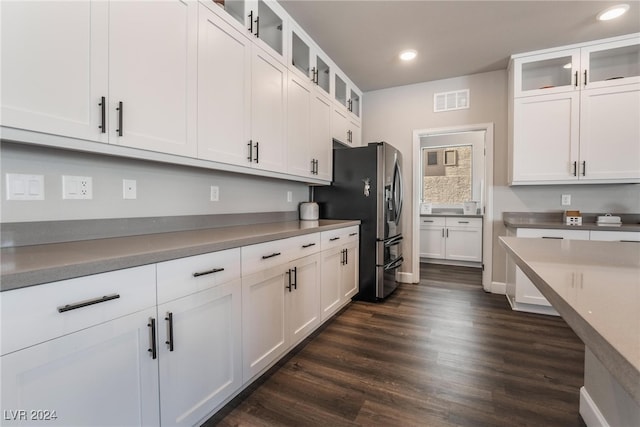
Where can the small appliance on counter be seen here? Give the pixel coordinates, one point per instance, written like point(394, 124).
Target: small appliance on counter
point(309, 211)
point(470, 208)
point(608, 220)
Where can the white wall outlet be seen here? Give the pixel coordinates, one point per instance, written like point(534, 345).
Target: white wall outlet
point(77, 187)
point(129, 189)
point(25, 187)
point(566, 200)
point(215, 193)
point(289, 196)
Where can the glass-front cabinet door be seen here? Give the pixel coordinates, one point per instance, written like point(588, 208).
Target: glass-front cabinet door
point(264, 19)
point(323, 74)
point(611, 64)
point(340, 90)
point(354, 103)
point(547, 73)
point(307, 60)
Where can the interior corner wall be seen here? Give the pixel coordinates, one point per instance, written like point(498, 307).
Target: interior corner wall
point(393, 114)
point(162, 189)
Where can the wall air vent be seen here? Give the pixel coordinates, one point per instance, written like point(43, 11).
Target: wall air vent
point(448, 101)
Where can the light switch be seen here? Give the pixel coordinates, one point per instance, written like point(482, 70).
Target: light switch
point(25, 187)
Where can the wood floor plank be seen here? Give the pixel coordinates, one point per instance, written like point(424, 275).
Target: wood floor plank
point(439, 353)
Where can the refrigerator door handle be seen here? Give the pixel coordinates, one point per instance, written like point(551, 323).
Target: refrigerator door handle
point(397, 192)
point(394, 264)
point(393, 241)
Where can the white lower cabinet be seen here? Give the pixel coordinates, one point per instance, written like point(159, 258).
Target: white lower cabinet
point(81, 351)
point(340, 269)
point(451, 238)
point(165, 344)
point(199, 334)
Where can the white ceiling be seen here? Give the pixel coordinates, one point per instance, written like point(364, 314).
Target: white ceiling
point(453, 38)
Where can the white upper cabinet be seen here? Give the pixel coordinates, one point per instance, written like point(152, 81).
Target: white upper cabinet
point(573, 114)
point(54, 67)
point(224, 91)
point(307, 60)
point(265, 20)
point(153, 75)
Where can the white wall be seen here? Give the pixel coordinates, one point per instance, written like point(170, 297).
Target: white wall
point(393, 114)
point(163, 189)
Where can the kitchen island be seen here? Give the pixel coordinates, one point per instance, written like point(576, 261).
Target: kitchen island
point(595, 287)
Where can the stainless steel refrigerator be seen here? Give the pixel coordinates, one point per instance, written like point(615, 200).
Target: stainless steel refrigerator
point(367, 185)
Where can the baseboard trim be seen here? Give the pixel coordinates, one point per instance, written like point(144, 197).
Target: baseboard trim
point(404, 277)
point(589, 411)
point(499, 288)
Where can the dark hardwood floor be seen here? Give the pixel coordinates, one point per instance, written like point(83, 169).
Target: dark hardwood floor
point(440, 353)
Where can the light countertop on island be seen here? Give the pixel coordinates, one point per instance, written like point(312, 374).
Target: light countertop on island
point(595, 286)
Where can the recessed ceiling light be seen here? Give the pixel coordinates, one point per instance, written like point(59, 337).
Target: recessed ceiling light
point(613, 12)
point(408, 55)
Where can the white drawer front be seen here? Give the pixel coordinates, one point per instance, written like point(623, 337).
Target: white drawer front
point(438, 221)
point(308, 244)
point(266, 255)
point(553, 233)
point(185, 276)
point(32, 315)
point(333, 238)
point(464, 222)
point(615, 236)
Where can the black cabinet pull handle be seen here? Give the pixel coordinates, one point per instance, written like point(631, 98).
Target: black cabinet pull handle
point(353, 234)
point(275, 254)
point(463, 222)
point(250, 145)
point(584, 168)
point(552, 237)
point(288, 273)
point(630, 241)
point(169, 340)
point(575, 166)
point(333, 239)
point(257, 152)
point(443, 232)
point(308, 246)
point(152, 338)
point(74, 306)
point(585, 78)
point(427, 220)
point(120, 110)
point(204, 273)
point(313, 74)
point(250, 16)
point(447, 233)
point(576, 78)
point(103, 115)
point(295, 278)
point(346, 256)
point(257, 21)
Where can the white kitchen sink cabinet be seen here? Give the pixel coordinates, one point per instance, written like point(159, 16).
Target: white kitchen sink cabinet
point(83, 348)
point(451, 238)
point(199, 335)
point(340, 269)
point(573, 114)
point(54, 67)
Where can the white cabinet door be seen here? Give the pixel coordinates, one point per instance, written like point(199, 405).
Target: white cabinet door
point(268, 111)
point(54, 67)
point(432, 242)
point(610, 133)
point(321, 141)
point(349, 282)
point(103, 375)
point(464, 244)
point(339, 124)
point(153, 72)
point(224, 91)
point(200, 339)
point(331, 275)
point(546, 138)
point(303, 298)
point(264, 332)
point(299, 160)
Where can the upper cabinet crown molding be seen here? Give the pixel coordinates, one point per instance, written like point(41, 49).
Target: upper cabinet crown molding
point(573, 114)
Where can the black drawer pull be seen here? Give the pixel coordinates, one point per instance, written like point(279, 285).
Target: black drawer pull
point(630, 241)
point(308, 246)
point(204, 273)
point(86, 303)
point(333, 239)
point(427, 220)
point(353, 234)
point(463, 222)
point(552, 237)
point(271, 256)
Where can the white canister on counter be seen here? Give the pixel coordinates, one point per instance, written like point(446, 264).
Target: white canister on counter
point(309, 211)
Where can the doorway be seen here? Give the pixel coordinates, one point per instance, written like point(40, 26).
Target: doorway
point(475, 142)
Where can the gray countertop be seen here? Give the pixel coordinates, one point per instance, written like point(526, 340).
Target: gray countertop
point(551, 220)
point(37, 264)
point(595, 286)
